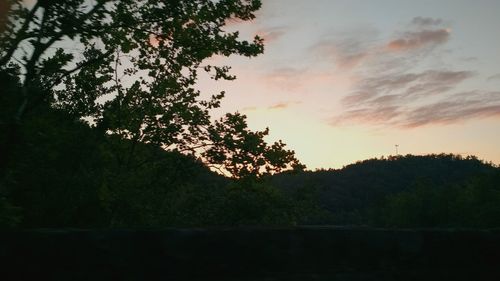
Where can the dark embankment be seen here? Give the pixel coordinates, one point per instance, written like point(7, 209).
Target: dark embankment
point(311, 253)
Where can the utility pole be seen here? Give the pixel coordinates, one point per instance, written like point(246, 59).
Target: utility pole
point(397, 145)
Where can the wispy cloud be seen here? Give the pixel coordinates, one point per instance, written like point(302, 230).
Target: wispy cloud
point(392, 88)
point(426, 21)
point(418, 39)
point(405, 87)
point(493, 77)
point(346, 53)
point(287, 78)
point(281, 105)
point(447, 110)
point(454, 109)
point(276, 106)
point(271, 34)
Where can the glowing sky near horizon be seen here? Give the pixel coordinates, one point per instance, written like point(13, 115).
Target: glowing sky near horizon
point(342, 81)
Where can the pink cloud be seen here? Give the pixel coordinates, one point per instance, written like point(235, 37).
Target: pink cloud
point(286, 78)
point(387, 92)
point(271, 34)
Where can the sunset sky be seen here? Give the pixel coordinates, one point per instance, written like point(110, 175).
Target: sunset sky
point(342, 81)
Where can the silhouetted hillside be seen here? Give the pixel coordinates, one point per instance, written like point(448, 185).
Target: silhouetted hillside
point(346, 192)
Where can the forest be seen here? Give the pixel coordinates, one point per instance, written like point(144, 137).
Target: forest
point(113, 133)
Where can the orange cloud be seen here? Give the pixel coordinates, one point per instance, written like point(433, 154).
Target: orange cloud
point(282, 105)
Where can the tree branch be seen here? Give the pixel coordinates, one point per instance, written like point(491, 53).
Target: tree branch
point(66, 73)
point(21, 35)
point(41, 48)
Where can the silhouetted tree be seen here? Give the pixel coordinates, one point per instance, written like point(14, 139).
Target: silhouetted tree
point(243, 153)
point(105, 127)
point(130, 68)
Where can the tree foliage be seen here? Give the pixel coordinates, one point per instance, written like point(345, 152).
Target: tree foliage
point(130, 67)
point(473, 203)
point(104, 124)
point(244, 153)
point(442, 190)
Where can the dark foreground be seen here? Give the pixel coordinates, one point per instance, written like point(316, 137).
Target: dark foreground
point(302, 253)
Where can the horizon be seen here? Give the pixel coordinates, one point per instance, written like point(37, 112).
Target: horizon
point(399, 156)
point(343, 81)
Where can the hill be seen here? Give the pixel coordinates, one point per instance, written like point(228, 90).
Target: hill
point(348, 194)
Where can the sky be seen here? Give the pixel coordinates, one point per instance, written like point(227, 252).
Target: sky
point(343, 81)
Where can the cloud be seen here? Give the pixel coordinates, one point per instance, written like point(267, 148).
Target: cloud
point(454, 109)
point(403, 88)
point(281, 105)
point(396, 100)
point(287, 78)
point(271, 34)
point(394, 87)
point(425, 21)
point(447, 110)
point(347, 53)
point(493, 77)
point(419, 39)
point(276, 106)
point(367, 115)
point(360, 49)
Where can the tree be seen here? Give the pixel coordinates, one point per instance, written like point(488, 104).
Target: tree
point(129, 67)
point(244, 153)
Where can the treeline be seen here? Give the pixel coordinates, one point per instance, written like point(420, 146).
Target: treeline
point(472, 204)
point(442, 190)
point(62, 173)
